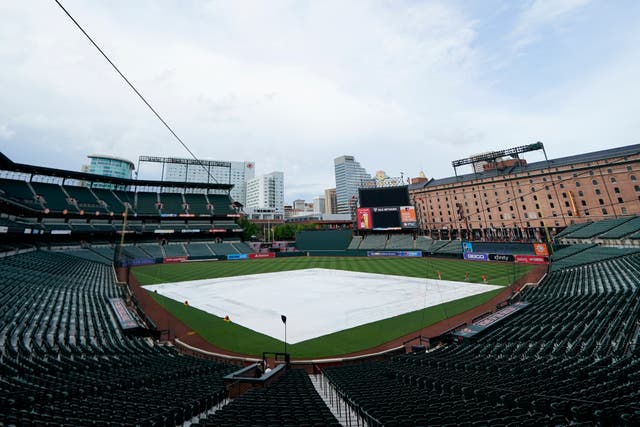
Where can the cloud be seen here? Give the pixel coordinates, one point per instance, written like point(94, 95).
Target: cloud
point(403, 86)
point(6, 132)
point(539, 15)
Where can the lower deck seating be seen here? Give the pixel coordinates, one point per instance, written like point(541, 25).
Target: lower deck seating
point(571, 358)
point(65, 360)
point(291, 400)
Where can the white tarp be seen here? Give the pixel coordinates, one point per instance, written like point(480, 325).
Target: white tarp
point(316, 301)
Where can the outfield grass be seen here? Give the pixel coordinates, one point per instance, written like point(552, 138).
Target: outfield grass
point(230, 336)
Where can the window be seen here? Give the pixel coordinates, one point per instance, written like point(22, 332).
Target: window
point(577, 183)
point(564, 195)
point(598, 192)
point(552, 205)
point(601, 202)
point(591, 173)
point(616, 190)
point(613, 180)
point(624, 211)
point(604, 211)
point(586, 212)
point(629, 168)
point(620, 200)
point(633, 178)
point(609, 170)
point(561, 185)
point(583, 203)
point(594, 182)
point(549, 196)
point(580, 193)
point(535, 197)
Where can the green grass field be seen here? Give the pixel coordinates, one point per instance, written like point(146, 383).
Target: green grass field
point(234, 337)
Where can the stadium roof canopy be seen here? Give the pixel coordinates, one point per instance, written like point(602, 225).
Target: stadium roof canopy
point(618, 154)
point(9, 165)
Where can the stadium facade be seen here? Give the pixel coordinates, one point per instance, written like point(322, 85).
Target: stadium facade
point(524, 201)
point(349, 176)
point(237, 174)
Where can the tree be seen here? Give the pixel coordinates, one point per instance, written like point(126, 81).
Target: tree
point(250, 231)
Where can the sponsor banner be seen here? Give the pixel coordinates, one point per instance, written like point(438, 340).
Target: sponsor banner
point(184, 215)
point(501, 257)
point(237, 256)
point(60, 231)
point(364, 218)
point(532, 259)
point(4, 229)
point(124, 316)
point(233, 215)
point(385, 209)
point(540, 249)
point(486, 322)
point(408, 217)
point(140, 261)
point(476, 257)
point(189, 230)
point(217, 230)
point(263, 255)
point(395, 253)
point(467, 247)
point(164, 231)
point(174, 259)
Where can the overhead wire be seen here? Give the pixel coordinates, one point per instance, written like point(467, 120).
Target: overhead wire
point(136, 91)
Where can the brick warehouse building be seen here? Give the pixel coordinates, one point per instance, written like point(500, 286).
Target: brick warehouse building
point(512, 200)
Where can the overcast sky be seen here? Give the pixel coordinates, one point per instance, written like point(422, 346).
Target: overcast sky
point(404, 86)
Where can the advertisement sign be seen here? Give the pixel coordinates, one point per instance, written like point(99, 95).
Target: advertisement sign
point(139, 261)
point(237, 256)
point(4, 229)
point(467, 247)
point(532, 259)
point(501, 257)
point(476, 257)
point(262, 255)
point(364, 219)
point(174, 259)
point(395, 253)
point(408, 217)
point(540, 249)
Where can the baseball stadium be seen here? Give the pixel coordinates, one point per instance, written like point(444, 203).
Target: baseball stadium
point(133, 302)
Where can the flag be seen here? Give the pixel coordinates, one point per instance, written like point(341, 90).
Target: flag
point(284, 318)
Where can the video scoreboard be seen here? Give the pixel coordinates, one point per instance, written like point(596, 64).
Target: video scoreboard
point(386, 208)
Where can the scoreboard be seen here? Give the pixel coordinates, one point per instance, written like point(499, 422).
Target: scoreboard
point(386, 208)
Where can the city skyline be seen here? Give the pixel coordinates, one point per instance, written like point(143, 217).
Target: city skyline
point(408, 88)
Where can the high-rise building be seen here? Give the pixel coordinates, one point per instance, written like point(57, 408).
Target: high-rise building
point(349, 176)
point(115, 167)
point(330, 202)
point(319, 205)
point(266, 191)
point(222, 172)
